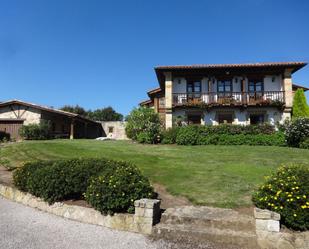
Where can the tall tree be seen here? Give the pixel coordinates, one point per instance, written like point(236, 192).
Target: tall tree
point(75, 109)
point(300, 106)
point(105, 114)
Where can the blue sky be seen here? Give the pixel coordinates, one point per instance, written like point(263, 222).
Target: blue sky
point(100, 53)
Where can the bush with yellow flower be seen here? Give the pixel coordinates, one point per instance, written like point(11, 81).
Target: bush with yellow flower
point(287, 192)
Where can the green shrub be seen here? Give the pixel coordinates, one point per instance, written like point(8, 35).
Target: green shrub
point(143, 124)
point(188, 135)
point(66, 179)
point(296, 131)
point(238, 129)
point(116, 191)
point(229, 135)
point(144, 138)
point(22, 174)
point(35, 131)
point(286, 192)
point(300, 107)
point(169, 136)
point(305, 144)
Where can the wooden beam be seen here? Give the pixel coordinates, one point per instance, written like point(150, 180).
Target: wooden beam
point(12, 109)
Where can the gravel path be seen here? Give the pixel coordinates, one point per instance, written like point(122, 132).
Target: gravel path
point(28, 228)
point(24, 227)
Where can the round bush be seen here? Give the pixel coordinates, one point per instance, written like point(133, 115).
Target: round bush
point(66, 179)
point(22, 174)
point(296, 131)
point(116, 191)
point(143, 125)
point(287, 192)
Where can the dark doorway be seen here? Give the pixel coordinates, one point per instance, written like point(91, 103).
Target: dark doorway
point(194, 119)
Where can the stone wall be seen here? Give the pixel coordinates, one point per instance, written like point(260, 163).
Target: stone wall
point(115, 129)
point(147, 212)
point(269, 235)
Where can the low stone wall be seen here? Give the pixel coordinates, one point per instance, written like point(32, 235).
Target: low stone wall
point(147, 212)
point(269, 235)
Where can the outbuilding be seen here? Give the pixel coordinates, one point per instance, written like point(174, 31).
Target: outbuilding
point(15, 113)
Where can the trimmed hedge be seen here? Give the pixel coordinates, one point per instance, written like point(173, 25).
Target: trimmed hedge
point(224, 135)
point(286, 192)
point(66, 179)
point(116, 191)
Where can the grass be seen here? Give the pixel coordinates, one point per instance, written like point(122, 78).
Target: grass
point(222, 176)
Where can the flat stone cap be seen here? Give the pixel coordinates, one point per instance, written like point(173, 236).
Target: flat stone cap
point(146, 203)
point(265, 214)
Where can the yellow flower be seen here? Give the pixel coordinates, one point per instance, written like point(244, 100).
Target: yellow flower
point(295, 215)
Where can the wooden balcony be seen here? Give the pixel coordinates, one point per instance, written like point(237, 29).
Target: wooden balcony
point(267, 98)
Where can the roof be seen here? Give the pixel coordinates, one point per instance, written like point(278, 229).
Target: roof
point(44, 108)
point(299, 64)
point(145, 102)
point(296, 86)
point(155, 90)
point(198, 69)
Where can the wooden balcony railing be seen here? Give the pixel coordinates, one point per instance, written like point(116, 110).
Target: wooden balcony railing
point(229, 98)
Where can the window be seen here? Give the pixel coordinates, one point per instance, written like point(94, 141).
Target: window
point(255, 86)
point(224, 86)
point(110, 129)
point(256, 119)
point(194, 87)
point(225, 118)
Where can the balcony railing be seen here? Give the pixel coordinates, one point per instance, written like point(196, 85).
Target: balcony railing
point(229, 98)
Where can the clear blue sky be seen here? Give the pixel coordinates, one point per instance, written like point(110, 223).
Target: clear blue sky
point(100, 53)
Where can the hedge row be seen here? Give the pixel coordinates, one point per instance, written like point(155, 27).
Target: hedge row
point(89, 178)
point(223, 135)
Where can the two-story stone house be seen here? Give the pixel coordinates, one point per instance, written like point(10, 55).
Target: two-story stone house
point(244, 94)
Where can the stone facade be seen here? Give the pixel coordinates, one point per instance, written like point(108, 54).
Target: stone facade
point(114, 129)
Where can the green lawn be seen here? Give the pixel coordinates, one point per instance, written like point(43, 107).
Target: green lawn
point(222, 176)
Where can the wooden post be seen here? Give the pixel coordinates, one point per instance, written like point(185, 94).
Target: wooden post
point(244, 96)
point(72, 129)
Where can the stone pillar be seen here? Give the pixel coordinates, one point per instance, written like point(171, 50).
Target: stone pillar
point(288, 93)
point(266, 221)
point(168, 100)
point(72, 129)
point(147, 214)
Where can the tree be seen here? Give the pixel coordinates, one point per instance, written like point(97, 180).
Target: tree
point(75, 109)
point(143, 125)
point(105, 114)
point(300, 107)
